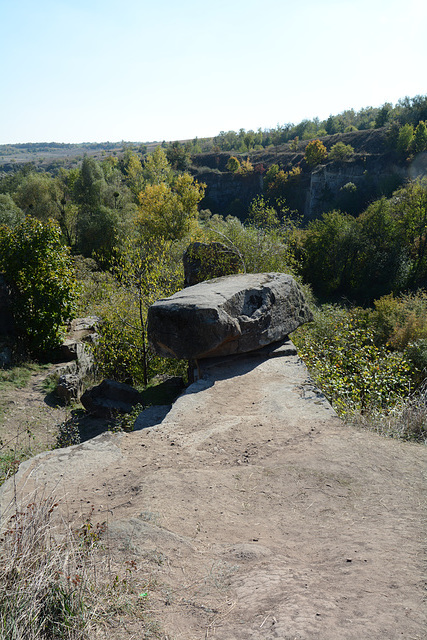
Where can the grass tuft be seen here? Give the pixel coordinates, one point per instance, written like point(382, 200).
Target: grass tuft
point(55, 582)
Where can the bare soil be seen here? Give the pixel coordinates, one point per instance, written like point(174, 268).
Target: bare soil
point(253, 512)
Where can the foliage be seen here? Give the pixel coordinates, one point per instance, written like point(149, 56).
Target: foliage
point(420, 137)
point(354, 372)
point(10, 214)
point(329, 248)
point(383, 250)
point(37, 267)
point(233, 164)
point(280, 184)
point(341, 152)
point(39, 195)
point(261, 248)
point(246, 167)
point(143, 271)
point(170, 210)
point(405, 138)
point(315, 153)
point(179, 155)
point(409, 209)
point(401, 323)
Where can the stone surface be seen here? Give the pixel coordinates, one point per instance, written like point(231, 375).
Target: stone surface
point(233, 314)
point(109, 398)
point(242, 509)
point(75, 376)
point(204, 261)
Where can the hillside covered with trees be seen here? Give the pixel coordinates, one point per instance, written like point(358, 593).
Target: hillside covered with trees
point(106, 235)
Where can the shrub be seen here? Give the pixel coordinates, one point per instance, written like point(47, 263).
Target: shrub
point(341, 152)
point(315, 153)
point(233, 164)
point(37, 267)
point(355, 374)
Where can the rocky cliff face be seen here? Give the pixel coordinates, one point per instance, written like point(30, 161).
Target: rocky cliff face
point(230, 193)
point(371, 178)
point(374, 170)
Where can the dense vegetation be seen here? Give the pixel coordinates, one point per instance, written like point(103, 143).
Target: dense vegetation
point(115, 229)
point(106, 236)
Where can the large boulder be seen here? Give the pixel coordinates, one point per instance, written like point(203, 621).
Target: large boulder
point(233, 314)
point(110, 398)
point(204, 261)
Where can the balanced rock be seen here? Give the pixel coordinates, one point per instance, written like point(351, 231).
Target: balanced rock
point(228, 315)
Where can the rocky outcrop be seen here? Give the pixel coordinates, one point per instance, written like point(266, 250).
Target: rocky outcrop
point(233, 314)
point(204, 261)
point(75, 350)
point(230, 193)
point(109, 398)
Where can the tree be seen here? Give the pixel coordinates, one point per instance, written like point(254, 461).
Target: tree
point(157, 168)
point(233, 164)
point(404, 138)
point(134, 173)
point(39, 195)
point(341, 152)
point(330, 246)
point(420, 137)
point(10, 214)
point(169, 210)
point(315, 153)
point(409, 208)
point(143, 271)
point(37, 267)
point(178, 156)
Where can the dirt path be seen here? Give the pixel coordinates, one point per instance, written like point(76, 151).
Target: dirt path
point(28, 418)
point(255, 513)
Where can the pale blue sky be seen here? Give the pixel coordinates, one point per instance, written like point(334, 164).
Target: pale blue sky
point(98, 70)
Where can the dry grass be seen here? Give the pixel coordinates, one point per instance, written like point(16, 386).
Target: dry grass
point(58, 583)
point(407, 420)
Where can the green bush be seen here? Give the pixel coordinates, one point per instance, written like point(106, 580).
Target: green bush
point(37, 267)
point(341, 152)
point(354, 372)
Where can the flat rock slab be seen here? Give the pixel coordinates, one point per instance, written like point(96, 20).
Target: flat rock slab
point(228, 315)
point(251, 511)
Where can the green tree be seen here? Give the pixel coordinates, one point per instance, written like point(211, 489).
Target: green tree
point(405, 138)
point(157, 168)
point(420, 137)
point(330, 246)
point(233, 164)
point(169, 211)
point(10, 214)
point(341, 152)
point(39, 195)
point(315, 153)
point(37, 267)
point(409, 208)
point(143, 271)
point(179, 156)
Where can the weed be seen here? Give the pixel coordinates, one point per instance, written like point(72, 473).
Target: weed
point(68, 432)
point(407, 420)
point(55, 582)
point(19, 376)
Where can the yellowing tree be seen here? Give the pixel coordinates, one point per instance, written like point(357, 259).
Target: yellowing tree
point(170, 210)
point(315, 153)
